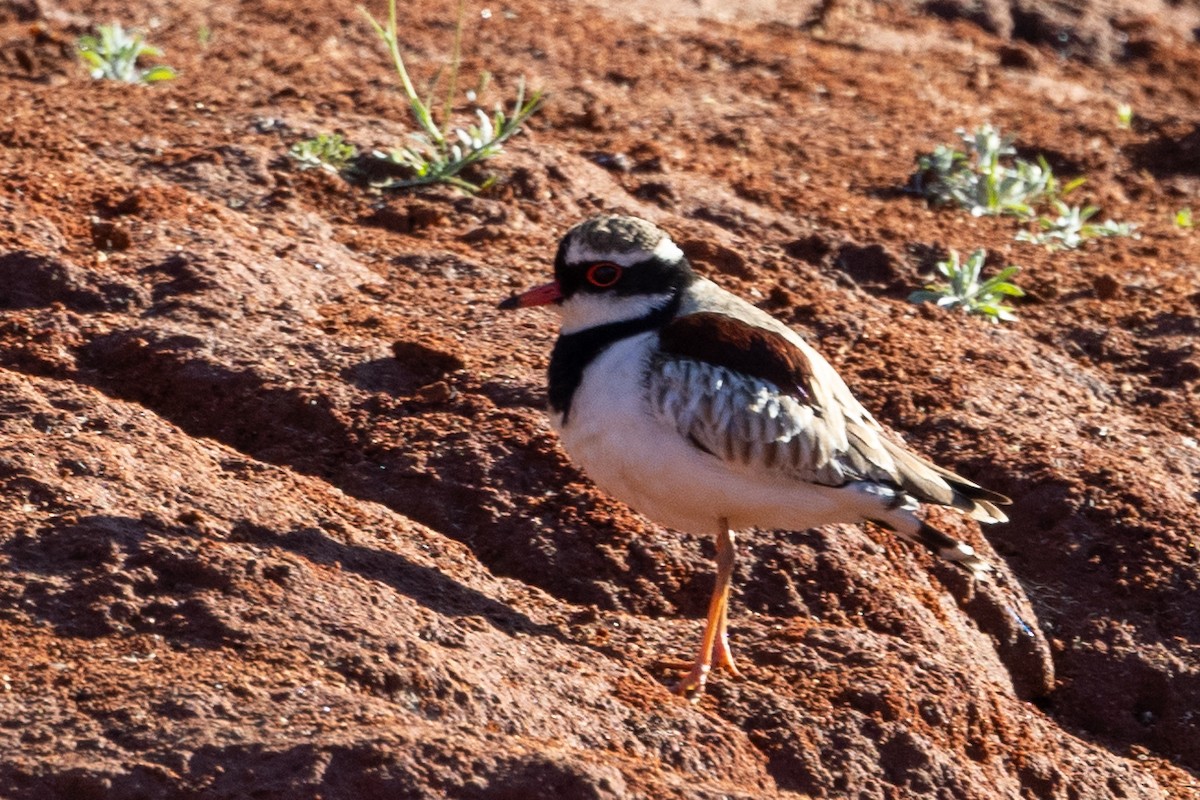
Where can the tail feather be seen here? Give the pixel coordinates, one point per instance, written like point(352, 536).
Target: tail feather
point(985, 510)
point(942, 544)
point(930, 483)
point(952, 550)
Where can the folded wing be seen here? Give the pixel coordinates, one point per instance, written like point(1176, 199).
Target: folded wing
point(764, 401)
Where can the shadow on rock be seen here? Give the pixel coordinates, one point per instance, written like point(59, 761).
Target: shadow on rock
point(103, 574)
point(428, 586)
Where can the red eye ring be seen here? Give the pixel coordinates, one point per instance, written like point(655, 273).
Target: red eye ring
point(603, 274)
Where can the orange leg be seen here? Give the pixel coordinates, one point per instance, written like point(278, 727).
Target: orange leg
point(714, 646)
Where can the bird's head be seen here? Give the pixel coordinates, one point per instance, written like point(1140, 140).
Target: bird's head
point(608, 269)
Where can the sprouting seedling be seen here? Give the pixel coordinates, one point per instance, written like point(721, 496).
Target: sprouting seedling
point(326, 151)
point(435, 155)
point(113, 53)
point(1124, 116)
point(964, 289)
point(1183, 219)
point(1071, 228)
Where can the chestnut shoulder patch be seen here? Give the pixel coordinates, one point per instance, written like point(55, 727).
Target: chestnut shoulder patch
point(724, 341)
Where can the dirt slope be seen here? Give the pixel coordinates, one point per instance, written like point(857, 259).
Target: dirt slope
point(282, 516)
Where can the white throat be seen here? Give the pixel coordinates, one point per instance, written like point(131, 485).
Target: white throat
point(585, 310)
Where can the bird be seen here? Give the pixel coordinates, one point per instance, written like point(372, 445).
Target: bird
point(708, 415)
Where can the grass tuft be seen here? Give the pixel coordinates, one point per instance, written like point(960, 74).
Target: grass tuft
point(437, 155)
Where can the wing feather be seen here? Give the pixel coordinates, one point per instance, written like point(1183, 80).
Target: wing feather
point(789, 414)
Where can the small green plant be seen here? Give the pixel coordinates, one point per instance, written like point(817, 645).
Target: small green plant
point(327, 151)
point(113, 53)
point(1124, 116)
point(964, 289)
point(437, 155)
point(1071, 228)
point(987, 179)
point(1183, 219)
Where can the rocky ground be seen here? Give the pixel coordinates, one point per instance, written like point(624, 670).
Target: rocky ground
point(282, 516)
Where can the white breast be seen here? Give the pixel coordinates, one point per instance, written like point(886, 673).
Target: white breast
point(640, 458)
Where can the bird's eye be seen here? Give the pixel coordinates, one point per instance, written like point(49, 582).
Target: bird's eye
point(604, 274)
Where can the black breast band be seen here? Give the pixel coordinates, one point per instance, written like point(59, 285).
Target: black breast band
point(574, 351)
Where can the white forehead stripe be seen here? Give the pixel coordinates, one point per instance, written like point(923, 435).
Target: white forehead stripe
point(580, 252)
point(668, 251)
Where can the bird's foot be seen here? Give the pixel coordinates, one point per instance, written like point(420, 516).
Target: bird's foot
point(692, 684)
point(723, 657)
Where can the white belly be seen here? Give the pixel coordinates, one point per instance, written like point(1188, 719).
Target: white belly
point(643, 461)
